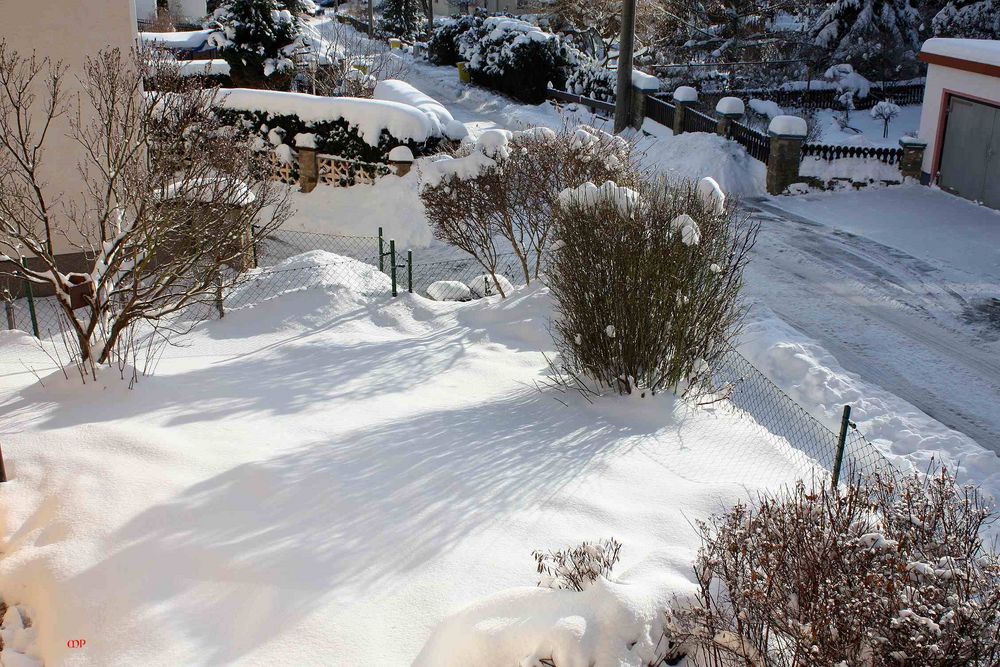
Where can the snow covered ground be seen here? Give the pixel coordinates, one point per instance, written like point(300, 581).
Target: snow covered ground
point(869, 130)
point(898, 286)
point(322, 477)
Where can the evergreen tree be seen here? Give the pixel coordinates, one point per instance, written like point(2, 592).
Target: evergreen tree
point(878, 37)
point(257, 38)
point(973, 19)
point(401, 18)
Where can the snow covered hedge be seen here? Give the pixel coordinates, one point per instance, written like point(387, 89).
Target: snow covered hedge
point(591, 80)
point(442, 49)
point(257, 37)
point(516, 58)
point(350, 127)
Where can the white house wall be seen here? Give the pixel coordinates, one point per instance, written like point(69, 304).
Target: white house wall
point(940, 79)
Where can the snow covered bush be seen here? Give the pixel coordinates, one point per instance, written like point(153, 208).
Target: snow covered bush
point(885, 111)
point(501, 190)
point(163, 213)
point(591, 80)
point(353, 63)
point(358, 129)
point(647, 282)
point(875, 36)
point(442, 49)
point(258, 38)
point(577, 567)
point(516, 58)
point(883, 572)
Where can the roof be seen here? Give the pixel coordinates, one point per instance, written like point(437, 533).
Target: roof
point(981, 56)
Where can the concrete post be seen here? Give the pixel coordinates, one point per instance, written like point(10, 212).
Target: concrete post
point(787, 134)
point(308, 168)
point(684, 96)
point(910, 166)
point(401, 160)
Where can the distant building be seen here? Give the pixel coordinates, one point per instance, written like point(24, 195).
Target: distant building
point(960, 118)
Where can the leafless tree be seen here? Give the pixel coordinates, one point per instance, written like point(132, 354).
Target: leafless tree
point(166, 198)
point(353, 63)
point(512, 198)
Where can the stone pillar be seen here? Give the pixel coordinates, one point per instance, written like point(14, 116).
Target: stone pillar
point(401, 160)
point(684, 96)
point(728, 109)
point(911, 164)
point(787, 134)
point(308, 168)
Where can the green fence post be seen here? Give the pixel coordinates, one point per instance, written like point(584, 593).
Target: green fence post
point(845, 423)
point(392, 258)
point(253, 244)
point(381, 252)
point(409, 271)
point(31, 303)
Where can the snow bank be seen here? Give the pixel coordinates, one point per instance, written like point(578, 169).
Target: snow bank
point(816, 380)
point(392, 203)
point(449, 290)
point(767, 108)
point(486, 285)
point(182, 39)
point(986, 51)
point(858, 170)
point(402, 121)
point(610, 623)
point(393, 90)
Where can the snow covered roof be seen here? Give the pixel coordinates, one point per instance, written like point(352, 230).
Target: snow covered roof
point(183, 39)
point(370, 116)
point(982, 51)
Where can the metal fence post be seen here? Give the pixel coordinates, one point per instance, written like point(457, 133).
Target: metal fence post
point(392, 258)
point(409, 271)
point(31, 303)
point(253, 244)
point(845, 423)
point(381, 252)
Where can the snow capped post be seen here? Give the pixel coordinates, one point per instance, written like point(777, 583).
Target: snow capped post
point(684, 97)
point(642, 84)
point(787, 134)
point(911, 164)
point(728, 109)
point(305, 145)
point(401, 159)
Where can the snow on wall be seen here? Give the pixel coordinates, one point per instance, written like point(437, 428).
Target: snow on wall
point(183, 39)
point(393, 90)
point(402, 121)
point(986, 51)
point(859, 170)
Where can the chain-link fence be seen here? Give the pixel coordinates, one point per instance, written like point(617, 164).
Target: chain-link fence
point(370, 265)
point(845, 453)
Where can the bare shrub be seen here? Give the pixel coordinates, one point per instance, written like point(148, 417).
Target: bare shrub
point(353, 63)
point(500, 193)
point(165, 204)
point(647, 283)
point(882, 572)
point(575, 568)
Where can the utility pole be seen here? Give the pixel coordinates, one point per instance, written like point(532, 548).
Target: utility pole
point(371, 18)
point(626, 46)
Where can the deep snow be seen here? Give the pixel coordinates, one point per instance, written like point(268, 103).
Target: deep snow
point(322, 477)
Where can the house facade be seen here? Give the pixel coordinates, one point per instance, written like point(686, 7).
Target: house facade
point(960, 118)
point(67, 32)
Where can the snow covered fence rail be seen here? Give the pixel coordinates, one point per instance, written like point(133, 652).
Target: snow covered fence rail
point(825, 95)
point(594, 105)
point(836, 152)
point(775, 412)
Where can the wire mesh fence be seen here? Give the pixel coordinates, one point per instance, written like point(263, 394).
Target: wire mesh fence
point(750, 391)
point(283, 244)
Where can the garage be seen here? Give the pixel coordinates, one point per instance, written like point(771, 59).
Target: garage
point(970, 151)
point(960, 118)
